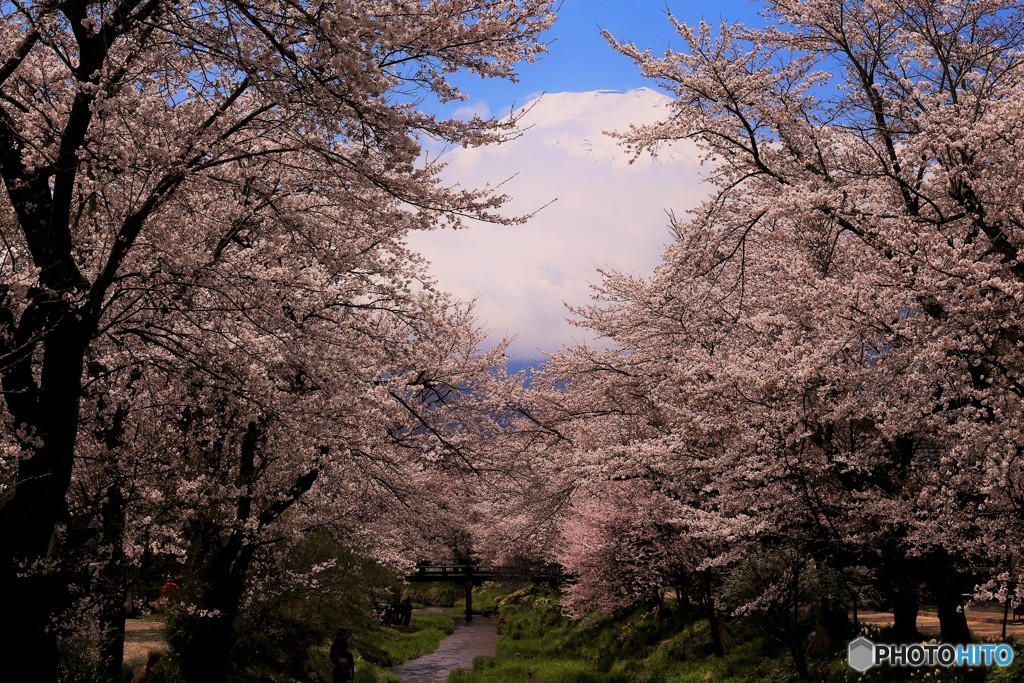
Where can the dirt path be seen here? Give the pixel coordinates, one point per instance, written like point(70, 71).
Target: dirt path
point(984, 624)
point(141, 636)
point(457, 651)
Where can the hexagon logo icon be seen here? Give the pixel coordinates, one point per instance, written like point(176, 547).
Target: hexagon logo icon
point(861, 655)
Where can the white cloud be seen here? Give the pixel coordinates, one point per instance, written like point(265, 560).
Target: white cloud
point(604, 212)
point(472, 109)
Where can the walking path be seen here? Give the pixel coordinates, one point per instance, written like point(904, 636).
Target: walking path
point(469, 641)
point(141, 636)
point(985, 624)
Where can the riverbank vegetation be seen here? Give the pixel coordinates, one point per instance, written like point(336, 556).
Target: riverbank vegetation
point(390, 645)
point(376, 649)
point(537, 642)
point(381, 647)
point(649, 644)
point(486, 597)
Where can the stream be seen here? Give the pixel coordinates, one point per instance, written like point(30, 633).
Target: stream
point(457, 651)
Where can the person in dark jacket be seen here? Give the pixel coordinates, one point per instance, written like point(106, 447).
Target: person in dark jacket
point(406, 605)
point(343, 661)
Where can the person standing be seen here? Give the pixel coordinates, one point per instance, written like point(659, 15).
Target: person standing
point(406, 610)
point(342, 660)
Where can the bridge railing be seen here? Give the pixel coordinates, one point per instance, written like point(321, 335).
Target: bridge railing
point(452, 569)
point(453, 572)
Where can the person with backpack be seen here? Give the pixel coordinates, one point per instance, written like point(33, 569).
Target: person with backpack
point(342, 660)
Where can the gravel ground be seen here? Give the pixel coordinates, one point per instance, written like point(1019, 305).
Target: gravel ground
point(141, 636)
point(982, 624)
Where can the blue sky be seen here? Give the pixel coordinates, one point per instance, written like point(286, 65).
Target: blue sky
point(580, 59)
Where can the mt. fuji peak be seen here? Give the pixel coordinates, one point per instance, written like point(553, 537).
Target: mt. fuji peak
point(599, 211)
point(578, 122)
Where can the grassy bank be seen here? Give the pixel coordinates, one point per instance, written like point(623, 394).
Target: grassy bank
point(385, 646)
point(538, 645)
point(375, 650)
point(452, 595)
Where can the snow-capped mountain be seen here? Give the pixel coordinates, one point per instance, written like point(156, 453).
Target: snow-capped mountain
point(600, 211)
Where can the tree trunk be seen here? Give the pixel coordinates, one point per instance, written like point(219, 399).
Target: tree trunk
point(800, 661)
point(37, 598)
point(112, 586)
point(706, 599)
point(223, 567)
point(29, 646)
point(682, 598)
point(796, 641)
point(206, 652)
point(902, 577)
point(904, 613)
point(206, 656)
point(947, 586)
point(953, 626)
point(832, 628)
point(715, 624)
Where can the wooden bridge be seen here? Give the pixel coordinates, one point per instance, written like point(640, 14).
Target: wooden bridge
point(429, 571)
point(466, 574)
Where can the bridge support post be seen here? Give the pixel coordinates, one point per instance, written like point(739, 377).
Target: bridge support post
point(469, 597)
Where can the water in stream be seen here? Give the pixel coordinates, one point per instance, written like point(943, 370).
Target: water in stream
point(457, 651)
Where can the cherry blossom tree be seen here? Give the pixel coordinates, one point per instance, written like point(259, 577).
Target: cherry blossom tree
point(364, 394)
point(293, 454)
point(892, 176)
point(154, 154)
point(827, 362)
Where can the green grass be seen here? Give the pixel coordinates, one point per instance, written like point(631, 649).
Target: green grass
point(367, 672)
point(486, 598)
point(538, 645)
point(375, 650)
point(453, 596)
point(388, 645)
point(439, 594)
point(384, 646)
point(491, 670)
